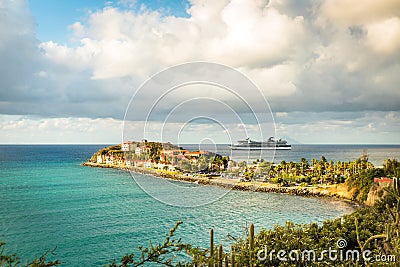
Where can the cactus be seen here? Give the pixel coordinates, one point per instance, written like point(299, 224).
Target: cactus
point(396, 187)
point(251, 243)
point(251, 237)
point(232, 257)
point(391, 229)
point(195, 260)
point(220, 256)
point(211, 261)
point(374, 237)
point(394, 190)
point(388, 232)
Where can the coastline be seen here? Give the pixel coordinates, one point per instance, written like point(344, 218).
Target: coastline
point(338, 191)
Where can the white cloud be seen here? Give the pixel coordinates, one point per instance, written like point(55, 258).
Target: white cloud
point(28, 129)
point(349, 12)
point(76, 59)
point(384, 36)
point(238, 33)
point(347, 128)
point(339, 56)
point(282, 114)
point(277, 80)
point(256, 35)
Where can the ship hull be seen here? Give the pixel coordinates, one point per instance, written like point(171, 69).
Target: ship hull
point(261, 148)
point(271, 144)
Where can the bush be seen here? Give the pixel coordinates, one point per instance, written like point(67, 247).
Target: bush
point(13, 260)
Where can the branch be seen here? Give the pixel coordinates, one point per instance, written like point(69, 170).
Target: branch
point(156, 253)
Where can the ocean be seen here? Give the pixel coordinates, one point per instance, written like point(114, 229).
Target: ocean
point(92, 215)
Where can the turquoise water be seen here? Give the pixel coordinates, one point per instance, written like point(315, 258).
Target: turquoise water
point(92, 215)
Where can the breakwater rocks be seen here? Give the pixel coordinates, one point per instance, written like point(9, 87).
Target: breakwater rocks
point(153, 172)
point(298, 191)
point(315, 191)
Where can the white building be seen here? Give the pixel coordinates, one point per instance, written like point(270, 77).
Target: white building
point(147, 164)
point(140, 150)
point(128, 146)
point(110, 160)
point(137, 151)
point(168, 167)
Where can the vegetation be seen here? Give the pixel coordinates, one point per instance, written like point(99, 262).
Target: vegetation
point(12, 260)
point(391, 168)
point(303, 172)
point(368, 237)
point(154, 153)
point(362, 181)
point(163, 254)
point(371, 231)
point(357, 175)
point(320, 171)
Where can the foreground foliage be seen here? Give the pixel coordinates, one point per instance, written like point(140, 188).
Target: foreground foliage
point(11, 259)
point(372, 231)
point(163, 254)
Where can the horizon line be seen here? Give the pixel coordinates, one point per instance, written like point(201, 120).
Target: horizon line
point(387, 144)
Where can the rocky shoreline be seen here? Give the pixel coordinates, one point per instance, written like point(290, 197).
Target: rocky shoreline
point(333, 191)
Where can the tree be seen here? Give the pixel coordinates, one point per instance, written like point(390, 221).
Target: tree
point(391, 167)
point(304, 165)
point(13, 260)
point(242, 164)
point(161, 253)
point(202, 163)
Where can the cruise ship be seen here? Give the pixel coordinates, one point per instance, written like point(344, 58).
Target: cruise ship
point(271, 143)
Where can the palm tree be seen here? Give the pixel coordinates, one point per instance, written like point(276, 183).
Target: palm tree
point(304, 165)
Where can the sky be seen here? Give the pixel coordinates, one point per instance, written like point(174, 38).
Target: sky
point(329, 70)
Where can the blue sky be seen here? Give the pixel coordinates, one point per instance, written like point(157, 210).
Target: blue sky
point(329, 70)
point(54, 17)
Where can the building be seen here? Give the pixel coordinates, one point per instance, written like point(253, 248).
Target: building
point(141, 163)
point(383, 180)
point(194, 154)
point(138, 163)
point(167, 167)
point(110, 160)
point(140, 150)
point(173, 152)
point(129, 146)
point(180, 156)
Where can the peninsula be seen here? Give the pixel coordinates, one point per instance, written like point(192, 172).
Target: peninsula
point(359, 181)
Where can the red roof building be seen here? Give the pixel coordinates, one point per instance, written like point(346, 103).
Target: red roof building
point(383, 180)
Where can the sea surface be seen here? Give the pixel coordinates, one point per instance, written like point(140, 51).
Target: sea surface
point(92, 215)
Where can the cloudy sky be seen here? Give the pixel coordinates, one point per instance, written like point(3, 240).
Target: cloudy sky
point(330, 70)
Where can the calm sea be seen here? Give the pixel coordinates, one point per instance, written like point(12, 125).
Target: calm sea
point(48, 199)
